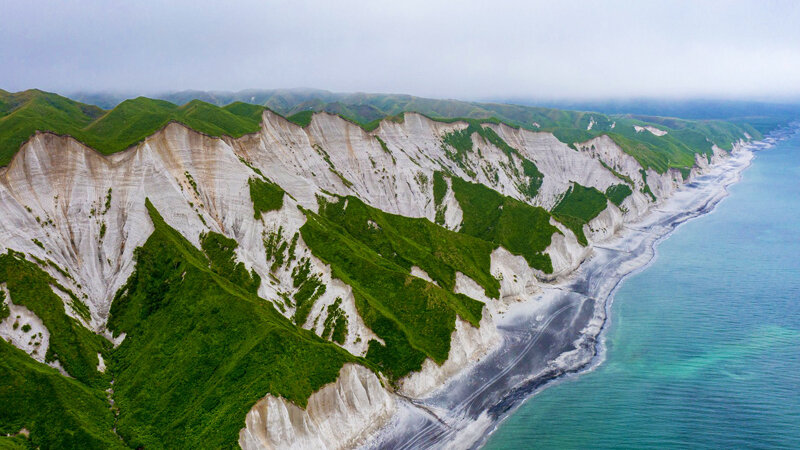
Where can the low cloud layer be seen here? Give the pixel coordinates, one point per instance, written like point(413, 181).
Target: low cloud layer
point(467, 49)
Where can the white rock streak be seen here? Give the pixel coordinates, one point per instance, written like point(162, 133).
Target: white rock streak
point(652, 129)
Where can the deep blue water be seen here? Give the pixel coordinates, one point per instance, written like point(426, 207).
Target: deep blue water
point(703, 349)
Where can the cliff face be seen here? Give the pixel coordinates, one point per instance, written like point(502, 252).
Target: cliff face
point(340, 415)
point(83, 214)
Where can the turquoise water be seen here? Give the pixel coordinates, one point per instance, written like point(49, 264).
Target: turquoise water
point(704, 345)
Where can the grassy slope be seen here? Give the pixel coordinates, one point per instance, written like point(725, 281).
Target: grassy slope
point(59, 412)
point(520, 228)
point(266, 196)
point(112, 131)
point(618, 193)
point(373, 252)
point(677, 149)
point(458, 144)
point(202, 348)
point(73, 345)
point(577, 207)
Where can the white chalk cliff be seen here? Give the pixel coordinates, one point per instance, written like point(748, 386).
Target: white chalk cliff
point(85, 212)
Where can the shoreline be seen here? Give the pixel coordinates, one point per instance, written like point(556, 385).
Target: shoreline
point(467, 409)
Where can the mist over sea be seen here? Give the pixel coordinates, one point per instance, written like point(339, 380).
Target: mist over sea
point(703, 346)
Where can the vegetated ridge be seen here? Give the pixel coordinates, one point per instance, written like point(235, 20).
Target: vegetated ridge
point(272, 274)
point(129, 122)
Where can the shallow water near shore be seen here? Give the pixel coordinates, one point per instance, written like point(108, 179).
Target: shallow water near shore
point(703, 346)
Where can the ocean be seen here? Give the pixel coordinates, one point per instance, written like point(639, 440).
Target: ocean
point(703, 345)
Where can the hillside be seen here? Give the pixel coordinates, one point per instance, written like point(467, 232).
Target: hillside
point(206, 276)
point(132, 120)
point(112, 131)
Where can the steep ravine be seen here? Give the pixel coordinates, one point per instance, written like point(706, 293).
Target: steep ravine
point(83, 215)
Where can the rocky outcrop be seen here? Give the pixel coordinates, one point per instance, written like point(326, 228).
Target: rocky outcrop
point(467, 345)
point(340, 415)
point(566, 253)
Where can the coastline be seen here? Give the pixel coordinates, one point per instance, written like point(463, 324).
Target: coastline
point(570, 339)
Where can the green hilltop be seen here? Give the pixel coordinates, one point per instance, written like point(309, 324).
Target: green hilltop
point(132, 120)
point(112, 131)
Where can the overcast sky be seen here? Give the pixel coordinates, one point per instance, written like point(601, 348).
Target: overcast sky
point(465, 49)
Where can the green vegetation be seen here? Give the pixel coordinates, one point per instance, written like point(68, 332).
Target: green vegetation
point(439, 191)
point(111, 131)
point(303, 118)
point(622, 177)
point(14, 442)
point(309, 289)
point(255, 169)
point(439, 188)
point(535, 178)
point(577, 207)
point(490, 135)
point(327, 158)
point(386, 149)
point(335, 323)
point(59, 270)
point(461, 140)
point(73, 345)
point(108, 201)
point(201, 349)
point(4, 309)
point(373, 252)
point(191, 181)
point(457, 144)
point(646, 188)
point(677, 149)
point(59, 412)
point(220, 251)
point(618, 193)
point(276, 246)
point(370, 125)
point(684, 139)
point(23, 113)
point(266, 196)
point(383, 145)
point(520, 228)
point(570, 136)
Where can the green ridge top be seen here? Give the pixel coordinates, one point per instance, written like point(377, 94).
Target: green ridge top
point(112, 131)
point(130, 122)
